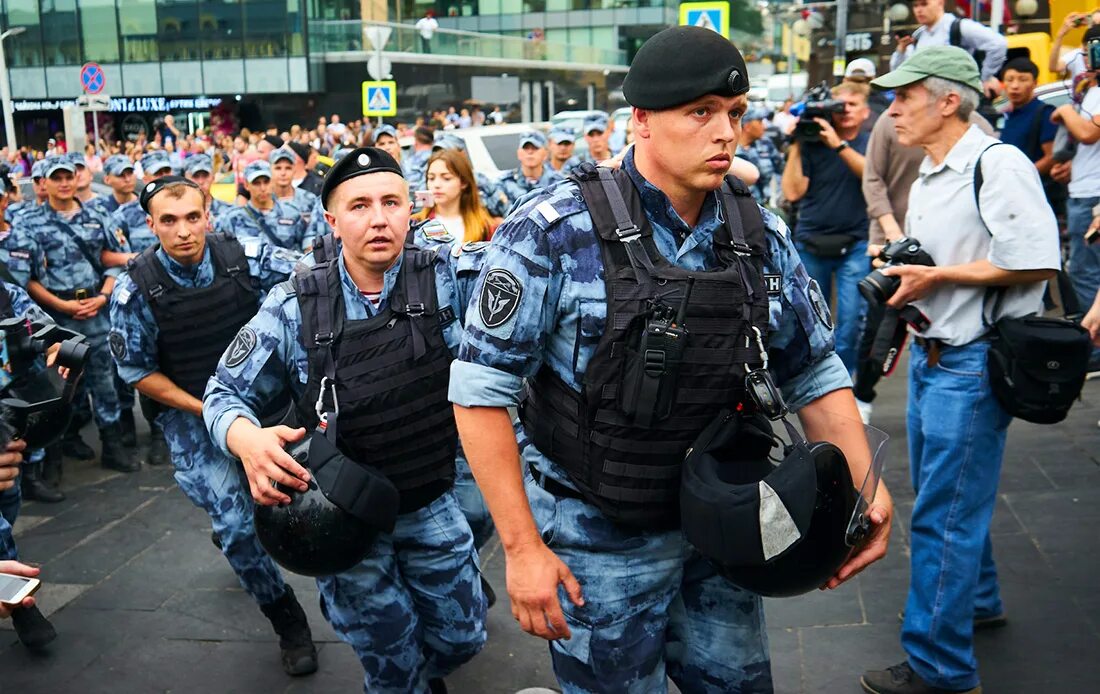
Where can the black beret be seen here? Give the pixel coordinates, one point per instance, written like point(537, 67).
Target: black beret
point(275, 142)
point(301, 150)
point(153, 187)
point(681, 64)
point(358, 162)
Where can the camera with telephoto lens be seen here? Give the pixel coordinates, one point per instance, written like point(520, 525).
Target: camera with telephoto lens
point(818, 103)
point(878, 287)
point(35, 402)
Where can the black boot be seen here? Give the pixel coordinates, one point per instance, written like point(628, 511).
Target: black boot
point(32, 627)
point(35, 487)
point(436, 685)
point(115, 456)
point(158, 453)
point(129, 432)
point(295, 639)
point(74, 447)
point(52, 464)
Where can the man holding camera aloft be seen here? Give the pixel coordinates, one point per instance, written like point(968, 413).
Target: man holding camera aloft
point(823, 174)
point(1007, 240)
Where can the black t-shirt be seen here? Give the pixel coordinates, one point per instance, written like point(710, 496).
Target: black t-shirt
point(834, 203)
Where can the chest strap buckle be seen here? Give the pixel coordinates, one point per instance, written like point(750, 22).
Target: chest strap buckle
point(414, 310)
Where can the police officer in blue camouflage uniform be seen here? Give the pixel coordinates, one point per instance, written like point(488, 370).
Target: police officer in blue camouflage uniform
point(200, 169)
point(597, 136)
point(84, 192)
point(413, 609)
point(130, 235)
point(118, 172)
point(282, 186)
point(55, 253)
point(561, 146)
point(263, 217)
point(318, 225)
point(756, 147)
point(532, 173)
point(601, 520)
point(38, 186)
point(173, 313)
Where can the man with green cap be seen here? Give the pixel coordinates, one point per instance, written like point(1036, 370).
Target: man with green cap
point(956, 428)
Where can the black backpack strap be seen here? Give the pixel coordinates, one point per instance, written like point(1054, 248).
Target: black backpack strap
point(229, 258)
point(954, 34)
point(613, 220)
point(416, 298)
point(143, 270)
point(320, 328)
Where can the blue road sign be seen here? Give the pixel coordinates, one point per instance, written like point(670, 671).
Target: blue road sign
point(92, 79)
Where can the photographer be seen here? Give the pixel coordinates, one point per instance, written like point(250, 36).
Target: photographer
point(824, 176)
point(956, 427)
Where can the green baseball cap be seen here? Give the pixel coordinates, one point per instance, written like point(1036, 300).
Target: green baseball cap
point(947, 62)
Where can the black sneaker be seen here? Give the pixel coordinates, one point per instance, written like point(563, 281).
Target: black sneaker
point(32, 628)
point(993, 621)
point(900, 679)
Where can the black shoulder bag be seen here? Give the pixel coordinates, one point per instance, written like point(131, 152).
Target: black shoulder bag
point(1037, 365)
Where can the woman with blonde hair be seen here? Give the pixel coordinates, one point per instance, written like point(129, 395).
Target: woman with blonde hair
point(454, 197)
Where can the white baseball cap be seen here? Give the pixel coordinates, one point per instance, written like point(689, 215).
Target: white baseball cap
point(860, 67)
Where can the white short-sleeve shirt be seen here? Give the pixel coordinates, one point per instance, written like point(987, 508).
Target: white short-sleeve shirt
point(1019, 232)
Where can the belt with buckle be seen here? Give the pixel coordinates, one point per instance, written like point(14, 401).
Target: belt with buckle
point(80, 293)
point(933, 346)
point(555, 487)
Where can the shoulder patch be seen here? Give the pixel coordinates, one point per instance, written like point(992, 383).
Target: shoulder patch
point(474, 246)
point(241, 347)
point(500, 295)
point(774, 284)
point(118, 344)
point(122, 294)
point(434, 230)
point(252, 247)
point(547, 211)
point(22, 255)
point(285, 254)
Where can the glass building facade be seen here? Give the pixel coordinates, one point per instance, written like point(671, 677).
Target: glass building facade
point(157, 47)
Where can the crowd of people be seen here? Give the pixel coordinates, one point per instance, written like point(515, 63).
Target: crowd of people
point(243, 327)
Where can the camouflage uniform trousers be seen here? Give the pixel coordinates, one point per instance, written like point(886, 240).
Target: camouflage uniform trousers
point(413, 609)
point(212, 481)
point(99, 374)
point(653, 608)
point(10, 501)
point(472, 503)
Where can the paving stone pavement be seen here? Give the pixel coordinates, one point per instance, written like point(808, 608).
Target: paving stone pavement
point(144, 603)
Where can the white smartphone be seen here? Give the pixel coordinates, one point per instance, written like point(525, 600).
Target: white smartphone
point(424, 198)
point(15, 589)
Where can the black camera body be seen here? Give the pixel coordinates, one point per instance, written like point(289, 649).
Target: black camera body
point(819, 103)
point(878, 287)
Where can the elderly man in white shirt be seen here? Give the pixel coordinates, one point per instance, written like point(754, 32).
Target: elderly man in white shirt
point(936, 30)
point(956, 427)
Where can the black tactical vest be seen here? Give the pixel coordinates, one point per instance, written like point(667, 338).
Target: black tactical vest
point(390, 373)
point(625, 463)
point(196, 324)
point(6, 310)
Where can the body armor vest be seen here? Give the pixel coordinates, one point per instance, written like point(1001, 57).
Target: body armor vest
point(388, 375)
point(649, 390)
point(196, 324)
point(6, 310)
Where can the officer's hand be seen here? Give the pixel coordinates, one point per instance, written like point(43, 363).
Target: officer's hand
point(88, 308)
point(10, 459)
point(17, 569)
point(265, 462)
point(917, 282)
point(828, 134)
point(533, 575)
point(881, 514)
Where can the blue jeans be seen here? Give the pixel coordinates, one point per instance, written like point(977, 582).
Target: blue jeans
point(653, 608)
point(1084, 260)
point(957, 433)
point(849, 270)
point(413, 609)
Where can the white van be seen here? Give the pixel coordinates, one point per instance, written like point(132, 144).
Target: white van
point(781, 87)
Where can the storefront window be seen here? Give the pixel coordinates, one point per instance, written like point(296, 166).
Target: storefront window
point(221, 29)
point(99, 29)
point(60, 36)
point(264, 28)
point(25, 49)
point(138, 27)
point(295, 26)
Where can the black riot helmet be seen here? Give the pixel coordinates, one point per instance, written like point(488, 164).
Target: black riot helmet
point(775, 528)
point(36, 403)
point(331, 526)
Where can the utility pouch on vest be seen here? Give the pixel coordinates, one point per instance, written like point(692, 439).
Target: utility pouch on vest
point(649, 381)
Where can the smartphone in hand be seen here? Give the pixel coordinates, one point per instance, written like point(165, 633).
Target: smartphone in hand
point(15, 589)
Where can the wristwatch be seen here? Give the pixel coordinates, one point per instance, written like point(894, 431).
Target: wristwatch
point(841, 147)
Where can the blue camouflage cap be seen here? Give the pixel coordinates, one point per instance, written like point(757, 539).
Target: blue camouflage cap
point(341, 153)
point(198, 162)
point(58, 162)
point(532, 137)
point(385, 130)
point(282, 154)
point(597, 122)
point(445, 140)
point(157, 160)
point(257, 169)
point(38, 169)
point(560, 135)
point(116, 164)
point(754, 114)
point(77, 159)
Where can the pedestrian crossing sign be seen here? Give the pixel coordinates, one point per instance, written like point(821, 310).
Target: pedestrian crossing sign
point(708, 15)
point(380, 98)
